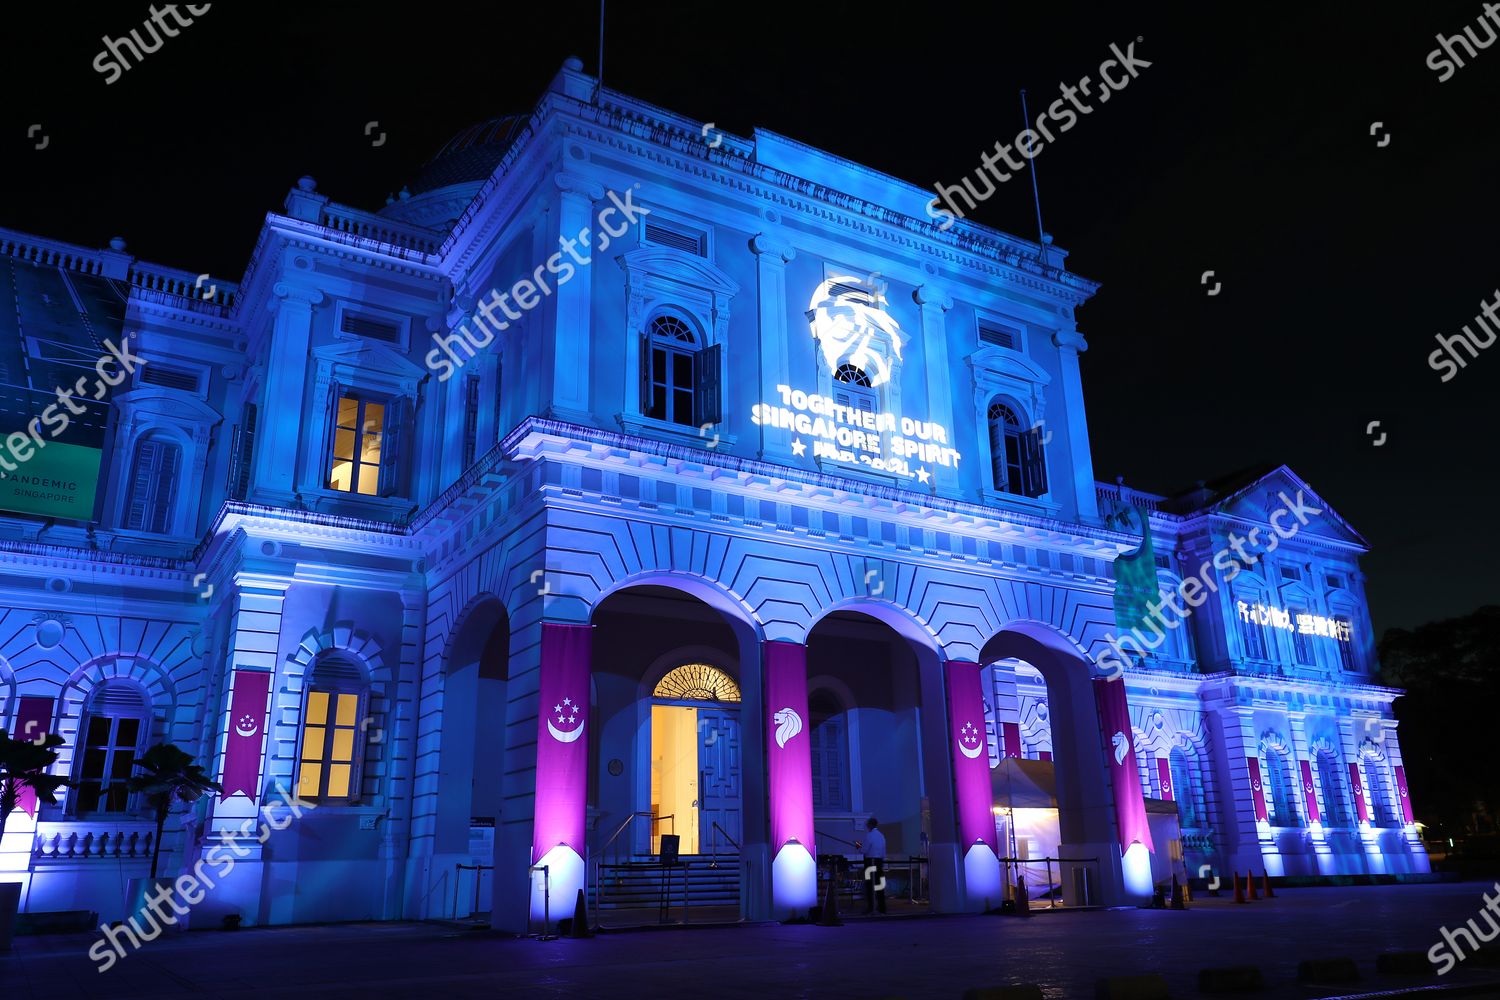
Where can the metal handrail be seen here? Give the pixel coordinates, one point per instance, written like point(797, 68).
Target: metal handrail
point(604, 851)
point(715, 828)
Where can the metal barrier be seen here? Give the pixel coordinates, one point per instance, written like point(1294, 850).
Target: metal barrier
point(1084, 876)
point(546, 934)
point(476, 869)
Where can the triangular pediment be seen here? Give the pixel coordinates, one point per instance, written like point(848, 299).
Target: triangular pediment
point(1258, 499)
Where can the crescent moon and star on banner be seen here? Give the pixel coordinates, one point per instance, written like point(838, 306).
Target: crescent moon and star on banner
point(567, 712)
point(970, 743)
point(246, 726)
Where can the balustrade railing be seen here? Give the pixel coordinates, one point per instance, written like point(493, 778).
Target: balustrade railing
point(82, 840)
point(344, 219)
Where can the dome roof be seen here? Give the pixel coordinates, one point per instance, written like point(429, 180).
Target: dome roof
point(471, 155)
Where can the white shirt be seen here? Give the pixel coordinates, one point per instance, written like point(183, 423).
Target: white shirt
point(875, 844)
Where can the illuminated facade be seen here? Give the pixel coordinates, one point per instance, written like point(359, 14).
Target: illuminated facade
point(613, 471)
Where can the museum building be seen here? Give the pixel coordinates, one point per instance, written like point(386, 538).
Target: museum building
point(618, 490)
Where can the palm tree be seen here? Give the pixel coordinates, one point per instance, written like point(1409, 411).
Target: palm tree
point(170, 777)
point(23, 764)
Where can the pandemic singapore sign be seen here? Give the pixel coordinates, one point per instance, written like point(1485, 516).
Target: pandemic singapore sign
point(852, 329)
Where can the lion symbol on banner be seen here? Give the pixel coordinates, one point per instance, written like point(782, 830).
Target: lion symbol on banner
point(1122, 747)
point(788, 724)
point(847, 318)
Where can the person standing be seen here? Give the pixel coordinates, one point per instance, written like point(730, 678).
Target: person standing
point(874, 848)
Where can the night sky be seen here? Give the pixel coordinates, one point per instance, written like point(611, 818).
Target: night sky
point(1245, 149)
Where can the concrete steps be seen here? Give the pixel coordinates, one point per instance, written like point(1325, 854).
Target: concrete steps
point(638, 885)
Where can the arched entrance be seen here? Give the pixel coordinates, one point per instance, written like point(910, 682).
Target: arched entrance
point(696, 759)
point(1046, 699)
point(675, 685)
point(471, 764)
point(879, 749)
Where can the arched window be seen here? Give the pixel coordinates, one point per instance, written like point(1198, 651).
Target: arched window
point(697, 682)
point(1192, 810)
point(852, 388)
point(679, 376)
point(1382, 797)
point(829, 738)
point(115, 727)
point(153, 484)
point(1281, 804)
point(1017, 464)
point(1335, 802)
point(332, 730)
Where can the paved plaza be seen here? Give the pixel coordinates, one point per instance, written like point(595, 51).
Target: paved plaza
point(1064, 952)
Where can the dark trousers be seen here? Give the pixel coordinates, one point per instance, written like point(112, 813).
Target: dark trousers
point(872, 879)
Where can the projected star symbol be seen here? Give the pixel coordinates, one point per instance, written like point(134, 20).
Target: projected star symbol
point(923, 475)
point(798, 448)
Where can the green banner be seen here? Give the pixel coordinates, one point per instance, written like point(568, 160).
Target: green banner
point(58, 480)
point(1135, 574)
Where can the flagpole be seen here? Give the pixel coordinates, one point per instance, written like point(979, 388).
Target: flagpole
point(599, 86)
point(1036, 197)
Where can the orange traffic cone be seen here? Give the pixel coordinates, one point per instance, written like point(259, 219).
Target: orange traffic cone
point(1250, 881)
point(1239, 890)
point(1265, 881)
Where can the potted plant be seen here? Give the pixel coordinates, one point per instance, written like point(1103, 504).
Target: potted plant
point(23, 764)
point(168, 776)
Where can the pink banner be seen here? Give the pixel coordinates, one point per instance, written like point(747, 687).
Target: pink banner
point(1403, 793)
point(1357, 786)
point(1044, 755)
point(1309, 792)
point(788, 750)
point(562, 746)
point(1114, 723)
point(1164, 774)
point(247, 730)
point(33, 719)
point(971, 759)
point(1257, 790)
point(1011, 732)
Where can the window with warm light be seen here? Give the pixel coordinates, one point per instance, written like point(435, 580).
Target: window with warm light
point(358, 446)
point(330, 730)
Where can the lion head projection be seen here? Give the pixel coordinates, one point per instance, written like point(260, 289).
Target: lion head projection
point(788, 724)
point(848, 320)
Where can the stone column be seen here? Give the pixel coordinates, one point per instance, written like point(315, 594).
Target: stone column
point(560, 823)
point(935, 303)
point(280, 434)
point(1070, 344)
point(772, 256)
point(794, 872)
point(571, 355)
point(977, 841)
